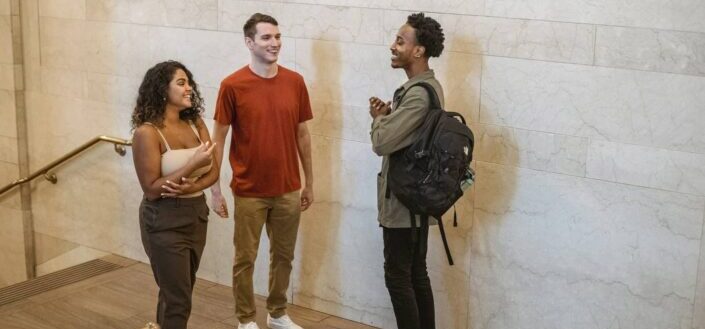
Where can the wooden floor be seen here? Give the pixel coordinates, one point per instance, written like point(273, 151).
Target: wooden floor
point(126, 298)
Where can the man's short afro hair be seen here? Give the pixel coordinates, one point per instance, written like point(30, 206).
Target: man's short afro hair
point(429, 33)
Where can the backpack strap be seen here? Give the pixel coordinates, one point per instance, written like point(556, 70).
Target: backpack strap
point(414, 229)
point(435, 102)
point(455, 217)
point(445, 240)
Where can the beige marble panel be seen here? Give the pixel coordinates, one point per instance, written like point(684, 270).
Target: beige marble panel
point(113, 89)
point(474, 7)
point(63, 43)
point(350, 74)
point(340, 121)
point(566, 252)
point(210, 96)
point(520, 38)
point(698, 321)
point(6, 56)
point(210, 55)
point(52, 123)
point(14, 7)
point(48, 247)
point(63, 82)
point(341, 3)
point(8, 149)
point(31, 48)
point(78, 255)
point(16, 38)
point(93, 181)
point(346, 73)
point(97, 47)
point(122, 90)
point(340, 245)
point(651, 50)
point(74, 9)
point(200, 14)
point(8, 125)
point(338, 259)
point(346, 24)
point(663, 14)
point(10, 172)
point(644, 108)
point(5, 9)
point(460, 75)
point(11, 247)
point(120, 49)
point(18, 77)
point(7, 76)
point(647, 166)
point(232, 15)
point(530, 149)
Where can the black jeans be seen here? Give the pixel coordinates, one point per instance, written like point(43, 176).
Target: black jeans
point(406, 277)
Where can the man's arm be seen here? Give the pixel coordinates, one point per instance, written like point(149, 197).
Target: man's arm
point(391, 132)
point(220, 131)
point(303, 142)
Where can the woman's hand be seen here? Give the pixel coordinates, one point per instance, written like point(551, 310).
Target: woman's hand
point(203, 155)
point(174, 189)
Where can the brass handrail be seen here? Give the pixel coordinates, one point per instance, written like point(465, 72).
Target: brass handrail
point(44, 171)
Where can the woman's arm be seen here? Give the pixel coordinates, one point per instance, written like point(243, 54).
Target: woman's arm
point(146, 155)
point(185, 185)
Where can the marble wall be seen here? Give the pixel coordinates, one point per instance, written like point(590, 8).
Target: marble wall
point(589, 206)
point(11, 237)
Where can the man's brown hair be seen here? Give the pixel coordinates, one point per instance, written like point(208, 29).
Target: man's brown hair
point(250, 28)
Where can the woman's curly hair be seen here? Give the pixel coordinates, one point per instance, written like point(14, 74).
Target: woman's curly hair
point(154, 92)
point(429, 33)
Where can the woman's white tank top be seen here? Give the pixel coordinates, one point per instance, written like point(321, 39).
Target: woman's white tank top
point(173, 160)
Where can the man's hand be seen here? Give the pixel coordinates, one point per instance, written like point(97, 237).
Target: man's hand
point(306, 198)
point(174, 189)
point(379, 107)
point(219, 205)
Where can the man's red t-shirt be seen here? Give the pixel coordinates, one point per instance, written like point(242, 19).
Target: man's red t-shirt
point(264, 114)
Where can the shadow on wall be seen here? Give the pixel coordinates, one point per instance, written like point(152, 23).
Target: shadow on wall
point(494, 146)
point(450, 284)
point(318, 285)
point(460, 75)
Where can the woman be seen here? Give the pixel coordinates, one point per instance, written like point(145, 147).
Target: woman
point(173, 158)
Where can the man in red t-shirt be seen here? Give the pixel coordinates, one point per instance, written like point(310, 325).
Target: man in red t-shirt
point(267, 106)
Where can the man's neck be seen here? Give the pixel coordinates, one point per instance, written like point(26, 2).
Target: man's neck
point(416, 68)
point(264, 70)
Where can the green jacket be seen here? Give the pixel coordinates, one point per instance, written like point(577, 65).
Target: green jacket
point(395, 131)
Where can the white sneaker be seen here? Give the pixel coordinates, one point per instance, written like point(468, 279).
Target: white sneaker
point(283, 322)
point(249, 325)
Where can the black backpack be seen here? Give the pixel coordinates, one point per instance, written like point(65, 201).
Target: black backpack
point(426, 176)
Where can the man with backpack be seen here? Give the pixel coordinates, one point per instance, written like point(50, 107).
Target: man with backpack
point(397, 125)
